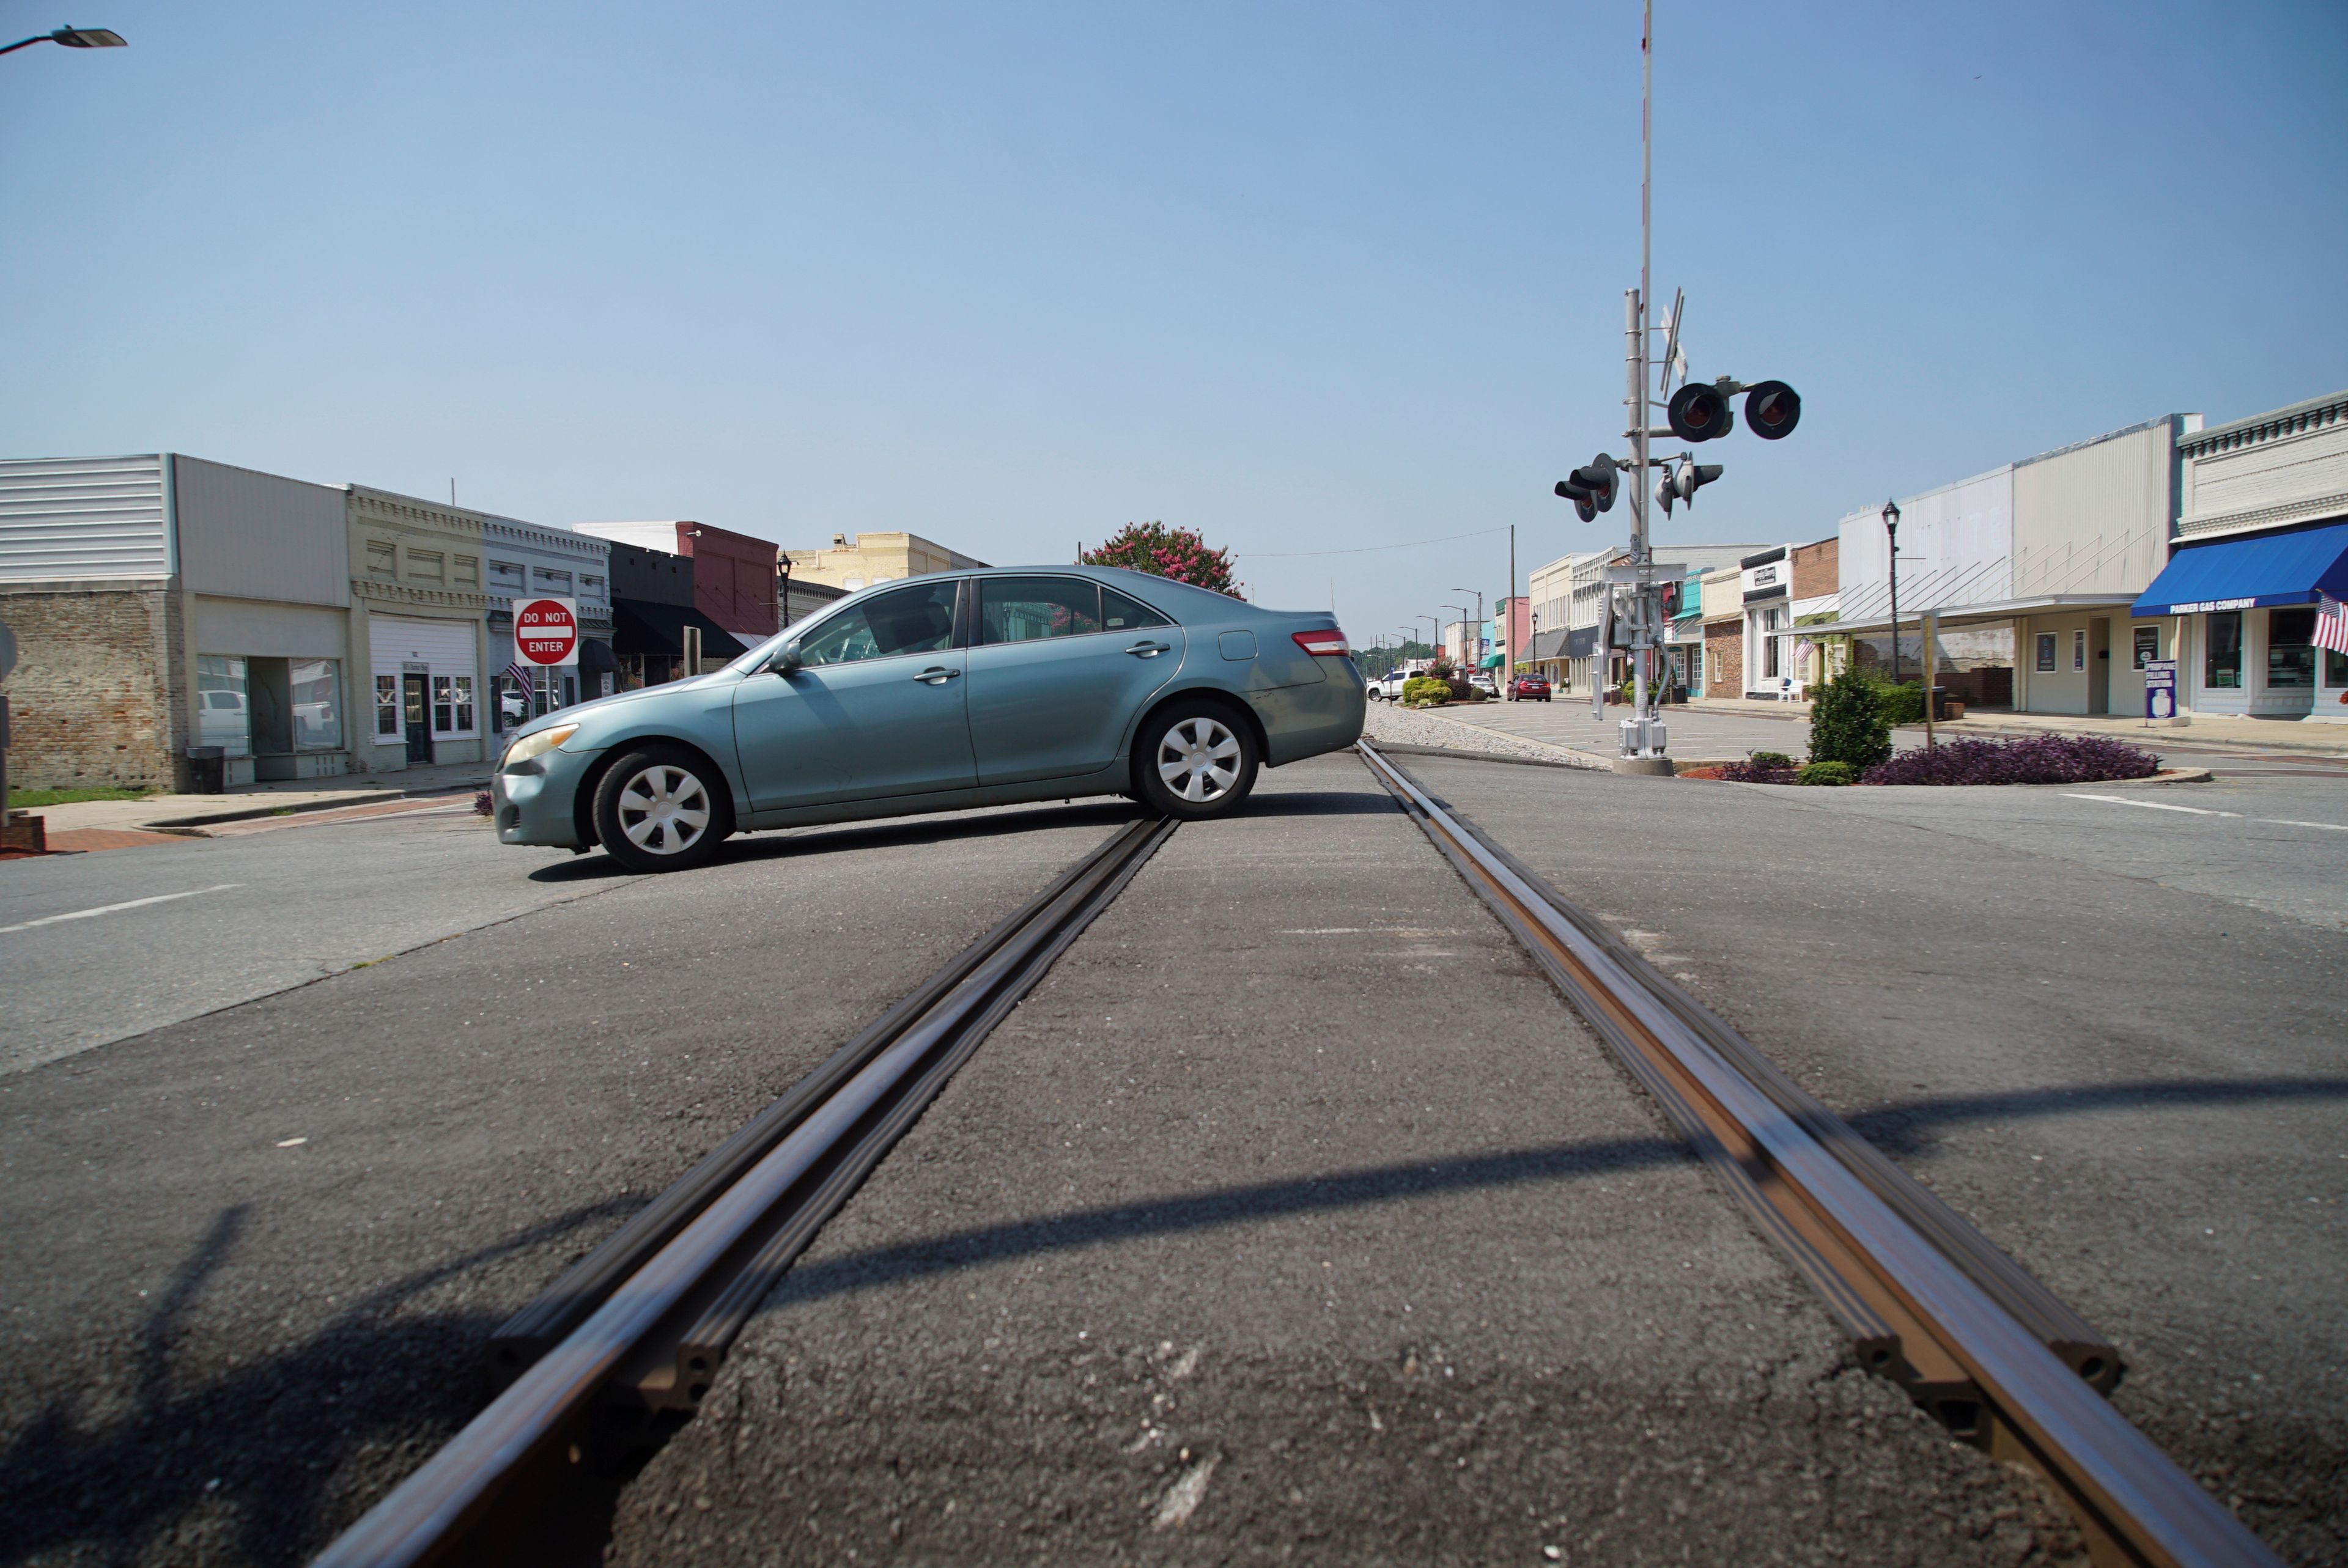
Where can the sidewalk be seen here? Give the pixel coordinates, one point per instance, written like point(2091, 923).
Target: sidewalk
point(2199, 730)
point(249, 801)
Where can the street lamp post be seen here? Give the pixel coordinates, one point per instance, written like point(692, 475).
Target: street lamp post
point(1462, 610)
point(73, 38)
point(1891, 532)
point(1479, 627)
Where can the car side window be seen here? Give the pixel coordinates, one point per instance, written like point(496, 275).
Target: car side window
point(1121, 613)
point(1025, 609)
point(917, 619)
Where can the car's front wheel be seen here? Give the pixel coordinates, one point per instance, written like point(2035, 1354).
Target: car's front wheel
point(1194, 760)
point(660, 809)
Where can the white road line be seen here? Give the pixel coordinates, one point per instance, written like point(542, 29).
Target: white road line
point(110, 909)
point(2150, 805)
point(2205, 811)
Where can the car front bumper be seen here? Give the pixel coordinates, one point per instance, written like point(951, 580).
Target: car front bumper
point(539, 804)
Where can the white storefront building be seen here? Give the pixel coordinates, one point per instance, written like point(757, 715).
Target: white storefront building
point(2261, 534)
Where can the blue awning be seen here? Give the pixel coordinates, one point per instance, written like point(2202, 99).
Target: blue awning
point(2245, 574)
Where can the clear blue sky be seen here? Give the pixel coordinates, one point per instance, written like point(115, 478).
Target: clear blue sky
point(1009, 276)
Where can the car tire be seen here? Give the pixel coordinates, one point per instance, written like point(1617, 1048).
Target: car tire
point(661, 808)
point(1194, 760)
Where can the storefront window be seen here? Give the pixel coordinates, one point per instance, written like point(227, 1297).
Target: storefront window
point(223, 709)
point(2335, 668)
point(2079, 648)
point(2221, 666)
point(2148, 645)
point(386, 705)
point(2045, 663)
point(452, 704)
point(317, 691)
point(2290, 646)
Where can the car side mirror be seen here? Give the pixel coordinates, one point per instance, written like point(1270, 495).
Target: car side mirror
point(786, 660)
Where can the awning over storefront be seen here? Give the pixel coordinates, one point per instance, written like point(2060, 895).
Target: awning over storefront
point(595, 657)
point(2244, 574)
point(1545, 645)
point(1493, 662)
point(641, 626)
point(1581, 643)
point(1951, 617)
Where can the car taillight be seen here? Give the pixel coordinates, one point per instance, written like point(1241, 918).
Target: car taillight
point(1330, 644)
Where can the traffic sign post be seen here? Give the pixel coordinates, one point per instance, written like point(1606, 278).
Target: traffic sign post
point(2160, 690)
point(546, 637)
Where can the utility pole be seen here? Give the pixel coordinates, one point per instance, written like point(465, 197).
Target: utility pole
point(1508, 621)
point(1643, 733)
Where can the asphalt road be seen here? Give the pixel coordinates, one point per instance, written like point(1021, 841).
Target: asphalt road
point(253, 1256)
point(1293, 1217)
point(2113, 1035)
point(212, 922)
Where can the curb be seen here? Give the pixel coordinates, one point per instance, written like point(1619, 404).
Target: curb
point(1566, 755)
point(1404, 749)
point(2164, 776)
point(367, 797)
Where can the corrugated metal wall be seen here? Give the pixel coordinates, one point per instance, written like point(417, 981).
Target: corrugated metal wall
point(2093, 519)
point(63, 518)
point(258, 535)
point(1961, 537)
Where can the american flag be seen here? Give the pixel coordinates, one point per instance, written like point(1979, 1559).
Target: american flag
point(2330, 624)
point(522, 675)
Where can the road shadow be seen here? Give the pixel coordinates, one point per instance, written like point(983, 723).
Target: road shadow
point(1216, 1208)
point(886, 833)
point(266, 1460)
point(1368, 801)
point(1913, 1126)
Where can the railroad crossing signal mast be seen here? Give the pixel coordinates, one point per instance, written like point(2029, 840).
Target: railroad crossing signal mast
point(1696, 412)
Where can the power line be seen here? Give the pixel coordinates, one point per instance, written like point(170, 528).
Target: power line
point(1363, 550)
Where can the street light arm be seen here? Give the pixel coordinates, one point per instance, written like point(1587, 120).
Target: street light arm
point(74, 38)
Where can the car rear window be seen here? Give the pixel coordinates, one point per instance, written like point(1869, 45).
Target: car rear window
point(1027, 609)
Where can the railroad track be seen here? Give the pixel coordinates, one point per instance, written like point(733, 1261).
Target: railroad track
point(621, 1349)
point(1927, 1301)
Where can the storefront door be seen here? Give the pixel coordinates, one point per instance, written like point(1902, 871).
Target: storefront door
point(416, 712)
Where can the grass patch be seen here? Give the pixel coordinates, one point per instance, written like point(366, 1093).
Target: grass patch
point(30, 799)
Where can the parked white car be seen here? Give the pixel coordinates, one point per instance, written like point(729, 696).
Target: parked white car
point(1387, 688)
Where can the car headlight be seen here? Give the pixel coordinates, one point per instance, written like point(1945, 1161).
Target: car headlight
point(535, 745)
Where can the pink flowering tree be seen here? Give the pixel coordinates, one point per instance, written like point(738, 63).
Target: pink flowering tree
point(1178, 553)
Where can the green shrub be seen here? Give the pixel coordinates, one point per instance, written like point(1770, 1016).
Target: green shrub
point(1425, 689)
point(1828, 773)
point(1848, 723)
point(1770, 760)
point(1903, 703)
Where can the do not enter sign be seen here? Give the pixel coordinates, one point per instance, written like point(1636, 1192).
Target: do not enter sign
point(546, 630)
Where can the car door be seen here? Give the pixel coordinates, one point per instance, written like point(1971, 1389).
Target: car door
point(1058, 667)
point(875, 708)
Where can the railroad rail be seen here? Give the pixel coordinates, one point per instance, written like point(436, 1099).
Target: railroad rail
point(1927, 1301)
point(624, 1344)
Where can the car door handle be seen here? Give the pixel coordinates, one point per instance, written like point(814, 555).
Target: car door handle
point(1147, 650)
point(937, 675)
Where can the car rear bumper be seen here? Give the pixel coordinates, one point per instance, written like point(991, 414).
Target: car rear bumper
point(1303, 721)
point(540, 807)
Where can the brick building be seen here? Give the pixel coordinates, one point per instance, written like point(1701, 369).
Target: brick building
point(162, 602)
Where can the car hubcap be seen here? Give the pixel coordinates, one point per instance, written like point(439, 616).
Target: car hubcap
point(1200, 760)
point(663, 811)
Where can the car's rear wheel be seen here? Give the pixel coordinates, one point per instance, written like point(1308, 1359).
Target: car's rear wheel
point(662, 809)
point(1194, 760)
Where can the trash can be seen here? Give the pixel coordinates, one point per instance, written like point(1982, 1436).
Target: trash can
point(208, 770)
